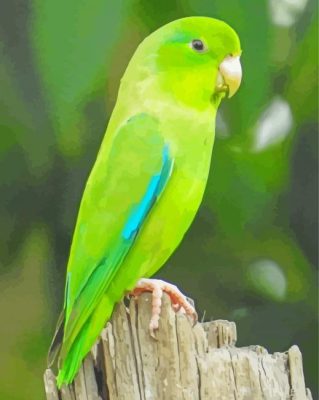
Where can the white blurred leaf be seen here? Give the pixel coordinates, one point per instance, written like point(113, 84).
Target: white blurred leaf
point(286, 12)
point(274, 124)
point(267, 278)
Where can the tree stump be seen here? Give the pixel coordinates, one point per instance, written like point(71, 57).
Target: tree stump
point(184, 363)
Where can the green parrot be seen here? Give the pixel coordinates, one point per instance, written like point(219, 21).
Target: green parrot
point(148, 179)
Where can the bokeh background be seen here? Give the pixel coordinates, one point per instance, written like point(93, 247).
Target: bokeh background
point(251, 254)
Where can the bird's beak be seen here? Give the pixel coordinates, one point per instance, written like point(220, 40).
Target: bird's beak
point(229, 75)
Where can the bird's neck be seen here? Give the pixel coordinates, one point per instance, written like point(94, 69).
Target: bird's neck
point(186, 90)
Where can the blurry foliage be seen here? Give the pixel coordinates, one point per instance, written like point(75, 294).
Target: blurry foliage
point(252, 250)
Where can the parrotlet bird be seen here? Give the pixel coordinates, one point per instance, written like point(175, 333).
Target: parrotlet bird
point(148, 179)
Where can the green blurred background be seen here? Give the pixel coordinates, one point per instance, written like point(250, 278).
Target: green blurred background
point(251, 254)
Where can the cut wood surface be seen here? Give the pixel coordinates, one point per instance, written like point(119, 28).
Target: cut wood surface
point(186, 362)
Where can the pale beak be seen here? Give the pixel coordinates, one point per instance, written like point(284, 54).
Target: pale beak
point(229, 75)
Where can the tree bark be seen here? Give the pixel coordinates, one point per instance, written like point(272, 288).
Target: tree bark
point(184, 363)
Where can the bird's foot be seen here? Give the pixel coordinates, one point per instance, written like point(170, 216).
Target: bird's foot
point(157, 287)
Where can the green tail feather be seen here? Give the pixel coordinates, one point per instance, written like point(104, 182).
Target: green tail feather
point(72, 362)
point(84, 341)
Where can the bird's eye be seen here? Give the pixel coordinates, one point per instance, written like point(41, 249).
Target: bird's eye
point(198, 45)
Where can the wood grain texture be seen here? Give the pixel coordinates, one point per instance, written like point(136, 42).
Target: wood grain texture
point(185, 362)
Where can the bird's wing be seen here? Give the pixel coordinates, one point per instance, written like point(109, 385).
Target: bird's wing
point(129, 175)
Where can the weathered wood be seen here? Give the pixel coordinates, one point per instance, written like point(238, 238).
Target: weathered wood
point(183, 363)
point(50, 385)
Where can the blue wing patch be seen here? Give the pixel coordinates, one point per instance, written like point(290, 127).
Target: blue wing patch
point(154, 189)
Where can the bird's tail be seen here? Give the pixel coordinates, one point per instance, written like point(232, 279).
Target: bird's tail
point(75, 355)
point(84, 341)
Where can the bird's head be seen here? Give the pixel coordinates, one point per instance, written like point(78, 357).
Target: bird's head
point(196, 60)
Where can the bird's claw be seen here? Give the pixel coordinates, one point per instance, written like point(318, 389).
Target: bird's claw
point(157, 287)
